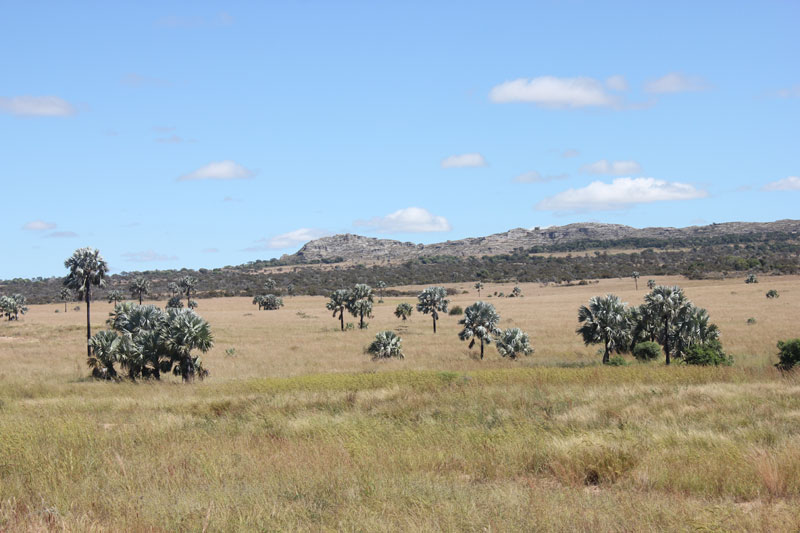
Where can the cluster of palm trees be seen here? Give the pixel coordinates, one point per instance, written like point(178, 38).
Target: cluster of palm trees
point(269, 301)
point(666, 317)
point(13, 306)
point(147, 341)
point(144, 340)
point(358, 301)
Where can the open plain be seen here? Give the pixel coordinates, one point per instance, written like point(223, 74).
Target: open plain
point(298, 429)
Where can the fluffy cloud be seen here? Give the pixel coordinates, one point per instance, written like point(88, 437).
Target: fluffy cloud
point(408, 220)
point(549, 91)
point(535, 177)
point(792, 183)
point(617, 83)
point(219, 170)
point(675, 82)
point(619, 194)
point(36, 106)
point(288, 240)
point(147, 256)
point(612, 167)
point(38, 225)
point(464, 160)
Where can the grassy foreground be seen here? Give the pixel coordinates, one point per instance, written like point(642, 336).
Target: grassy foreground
point(300, 431)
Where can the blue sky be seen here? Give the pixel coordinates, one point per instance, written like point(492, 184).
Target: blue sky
point(202, 134)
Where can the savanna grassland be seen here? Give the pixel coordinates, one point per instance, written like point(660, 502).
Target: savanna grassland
point(297, 429)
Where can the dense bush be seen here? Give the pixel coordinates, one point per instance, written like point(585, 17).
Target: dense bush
point(788, 354)
point(617, 360)
point(456, 311)
point(708, 354)
point(647, 351)
point(772, 293)
point(386, 344)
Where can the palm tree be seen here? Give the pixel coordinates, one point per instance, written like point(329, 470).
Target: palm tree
point(187, 285)
point(635, 277)
point(65, 294)
point(693, 327)
point(86, 268)
point(479, 286)
point(258, 300)
point(431, 301)
point(12, 306)
point(516, 292)
point(270, 285)
point(270, 302)
point(186, 331)
point(173, 288)
point(665, 305)
point(380, 286)
point(338, 304)
point(104, 353)
point(651, 284)
point(513, 342)
point(604, 320)
point(139, 286)
point(385, 345)
point(403, 310)
point(359, 302)
point(115, 296)
point(480, 321)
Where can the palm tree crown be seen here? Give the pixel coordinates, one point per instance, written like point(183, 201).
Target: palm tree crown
point(480, 322)
point(86, 268)
point(431, 301)
point(338, 304)
point(139, 287)
point(359, 302)
point(606, 320)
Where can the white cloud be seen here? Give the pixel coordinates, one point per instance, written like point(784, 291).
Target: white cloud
point(675, 82)
point(612, 167)
point(617, 83)
point(570, 152)
point(535, 177)
point(38, 225)
point(147, 256)
point(619, 194)
point(549, 91)
point(288, 240)
point(408, 220)
point(464, 160)
point(36, 106)
point(219, 170)
point(792, 183)
point(61, 235)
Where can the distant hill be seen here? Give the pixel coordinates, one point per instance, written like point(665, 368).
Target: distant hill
point(349, 247)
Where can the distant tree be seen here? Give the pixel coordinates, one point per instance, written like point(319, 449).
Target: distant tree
point(479, 286)
point(380, 286)
point(772, 293)
point(269, 285)
point(651, 284)
point(115, 296)
point(403, 310)
point(13, 306)
point(87, 268)
point(338, 304)
point(604, 320)
point(433, 301)
point(187, 285)
point(516, 292)
point(65, 295)
point(270, 302)
point(359, 302)
point(138, 287)
point(386, 344)
point(175, 302)
point(258, 300)
point(480, 322)
point(173, 288)
point(788, 354)
point(751, 278)
point(290, 289)
point(514, 342)
point(635, 277)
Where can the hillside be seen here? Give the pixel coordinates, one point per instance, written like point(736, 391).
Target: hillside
point(351, 247)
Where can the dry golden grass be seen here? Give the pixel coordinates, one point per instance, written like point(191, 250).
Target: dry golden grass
point(300, 430)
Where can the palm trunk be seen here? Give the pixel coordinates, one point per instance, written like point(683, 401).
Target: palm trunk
point(140, 298)
point(187, 370)
point(434, 324)
point(605, 353)
point(666, 338)
point(361, 320)
point(481, 348)
point(341, 318)
point(187, 299)
point(65, 306)
point(88, 321)
point(636, 281)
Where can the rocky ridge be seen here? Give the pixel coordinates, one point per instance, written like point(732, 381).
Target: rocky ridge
point(359, 248)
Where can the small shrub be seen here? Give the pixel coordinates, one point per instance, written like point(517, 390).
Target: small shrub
point(230, 352)
point(386, 345)
point(708, 354)
point(364, 326)
point(646, 351)
point(772, 293)
point(751, 278)
point(788, 354)
point(617, 360)
point(349, 326)
point(751, 321)
point(456, 310)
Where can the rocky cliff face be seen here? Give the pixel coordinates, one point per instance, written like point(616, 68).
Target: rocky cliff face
point(357, 248)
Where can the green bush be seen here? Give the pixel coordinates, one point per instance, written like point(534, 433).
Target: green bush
point(788, 354)
point(646, 351)
point(708, 354)
point(772, 293)
point(456, 310)
point(751, 321)
point(617, 360)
